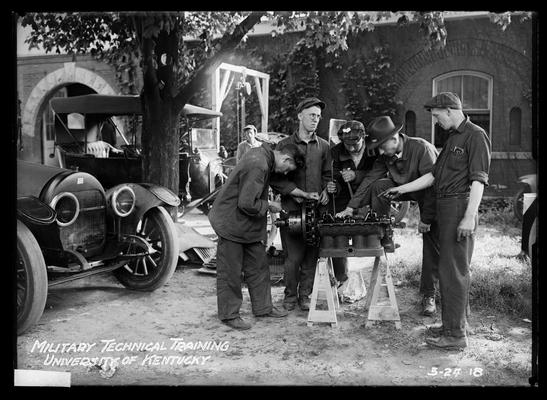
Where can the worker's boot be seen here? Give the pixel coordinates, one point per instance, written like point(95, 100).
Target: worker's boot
point(447, 342)
point(237, 323)
point(275, 313)
point(304, 303)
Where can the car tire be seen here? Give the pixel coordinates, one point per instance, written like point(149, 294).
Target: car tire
point(32, 283)
point(518, 201)
point(152, 271)
point(399, 210)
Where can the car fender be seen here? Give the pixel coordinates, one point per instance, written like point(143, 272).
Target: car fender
point(39, 218)
point(531, 180)
point(147, 196)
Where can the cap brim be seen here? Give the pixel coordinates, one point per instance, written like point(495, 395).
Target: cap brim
point(374, 145)
point(351, 141)
point(312, 104)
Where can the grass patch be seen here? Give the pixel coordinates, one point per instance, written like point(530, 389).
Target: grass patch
point(500, 280)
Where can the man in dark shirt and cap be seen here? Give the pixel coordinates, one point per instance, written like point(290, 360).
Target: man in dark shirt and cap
point(238, 217)
point(351, 161)
point(403, 159)
point(301, 259)
point(458, 180)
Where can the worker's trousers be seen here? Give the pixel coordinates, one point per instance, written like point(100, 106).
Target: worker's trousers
point(430, 250)
point(234, 262)
point(454, 261)
point(300, 263)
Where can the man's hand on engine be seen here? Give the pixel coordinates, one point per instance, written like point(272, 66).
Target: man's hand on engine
point(393, 193)
point(324, 197)
point(312, 195)
point(331, 187)
point(345, 213)
point(274, 206)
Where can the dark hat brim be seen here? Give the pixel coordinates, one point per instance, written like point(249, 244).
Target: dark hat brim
point(311, 103)
point(372, 145)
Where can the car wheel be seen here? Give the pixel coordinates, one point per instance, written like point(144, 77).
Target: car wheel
point(399, 210)
point(32, 281)
point(518, 201)
point(152, 271)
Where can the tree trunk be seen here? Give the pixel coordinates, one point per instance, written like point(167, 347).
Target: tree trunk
point(162, 104)
point(160, 139)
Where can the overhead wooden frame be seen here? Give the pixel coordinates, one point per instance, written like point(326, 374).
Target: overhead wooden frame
point(222, 80)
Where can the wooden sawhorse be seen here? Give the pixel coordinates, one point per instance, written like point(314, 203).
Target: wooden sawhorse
point(377, 312)
point(325, 285)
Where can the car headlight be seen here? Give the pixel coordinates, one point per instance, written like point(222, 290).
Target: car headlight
point(123, 201)
point(67, 208)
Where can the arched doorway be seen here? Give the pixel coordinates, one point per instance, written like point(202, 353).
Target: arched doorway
point(70, 80)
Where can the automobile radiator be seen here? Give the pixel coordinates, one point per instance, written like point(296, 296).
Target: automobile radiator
point(87, 234)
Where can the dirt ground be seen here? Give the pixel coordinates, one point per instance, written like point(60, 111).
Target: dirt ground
point(172, 321)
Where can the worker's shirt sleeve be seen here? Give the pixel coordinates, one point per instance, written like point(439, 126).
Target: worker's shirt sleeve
point(478, 147)
point(427, 160)
point(379, 170)
point(326, 165)
point(282, 184)
point(251, 187)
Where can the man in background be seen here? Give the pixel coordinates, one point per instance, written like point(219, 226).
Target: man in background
point(249, 142)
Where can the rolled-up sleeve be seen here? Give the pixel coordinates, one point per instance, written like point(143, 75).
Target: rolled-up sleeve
point(251, 187)
point(479, 157)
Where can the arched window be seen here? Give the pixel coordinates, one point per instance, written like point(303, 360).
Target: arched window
point(475, 91)
point(410, 123)
point(515, 118)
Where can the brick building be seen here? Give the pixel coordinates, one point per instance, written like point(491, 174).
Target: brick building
point(489, 67)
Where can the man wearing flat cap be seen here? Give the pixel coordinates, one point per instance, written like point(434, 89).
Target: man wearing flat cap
point(249, 142)
point(351, 162)
point(301, 259)
point(403, 159)
point(458, 180)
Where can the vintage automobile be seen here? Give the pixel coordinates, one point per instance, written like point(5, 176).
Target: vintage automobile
point(198, 167)
point(70, 227)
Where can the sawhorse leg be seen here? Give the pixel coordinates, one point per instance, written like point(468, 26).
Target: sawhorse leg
point(382, 312)
point(322, 284)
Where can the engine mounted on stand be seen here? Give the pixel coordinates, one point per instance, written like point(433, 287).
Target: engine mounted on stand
point(350, 236)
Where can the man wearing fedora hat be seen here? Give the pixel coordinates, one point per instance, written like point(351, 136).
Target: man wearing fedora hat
point(403, 159)
point(351, 161)
point(458, 180)
point(301, 259)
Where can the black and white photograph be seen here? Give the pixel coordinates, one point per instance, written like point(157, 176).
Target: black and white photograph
point(275, 198)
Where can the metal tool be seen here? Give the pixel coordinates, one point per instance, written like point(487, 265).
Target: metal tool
point(333, 194)
point(349, 185)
